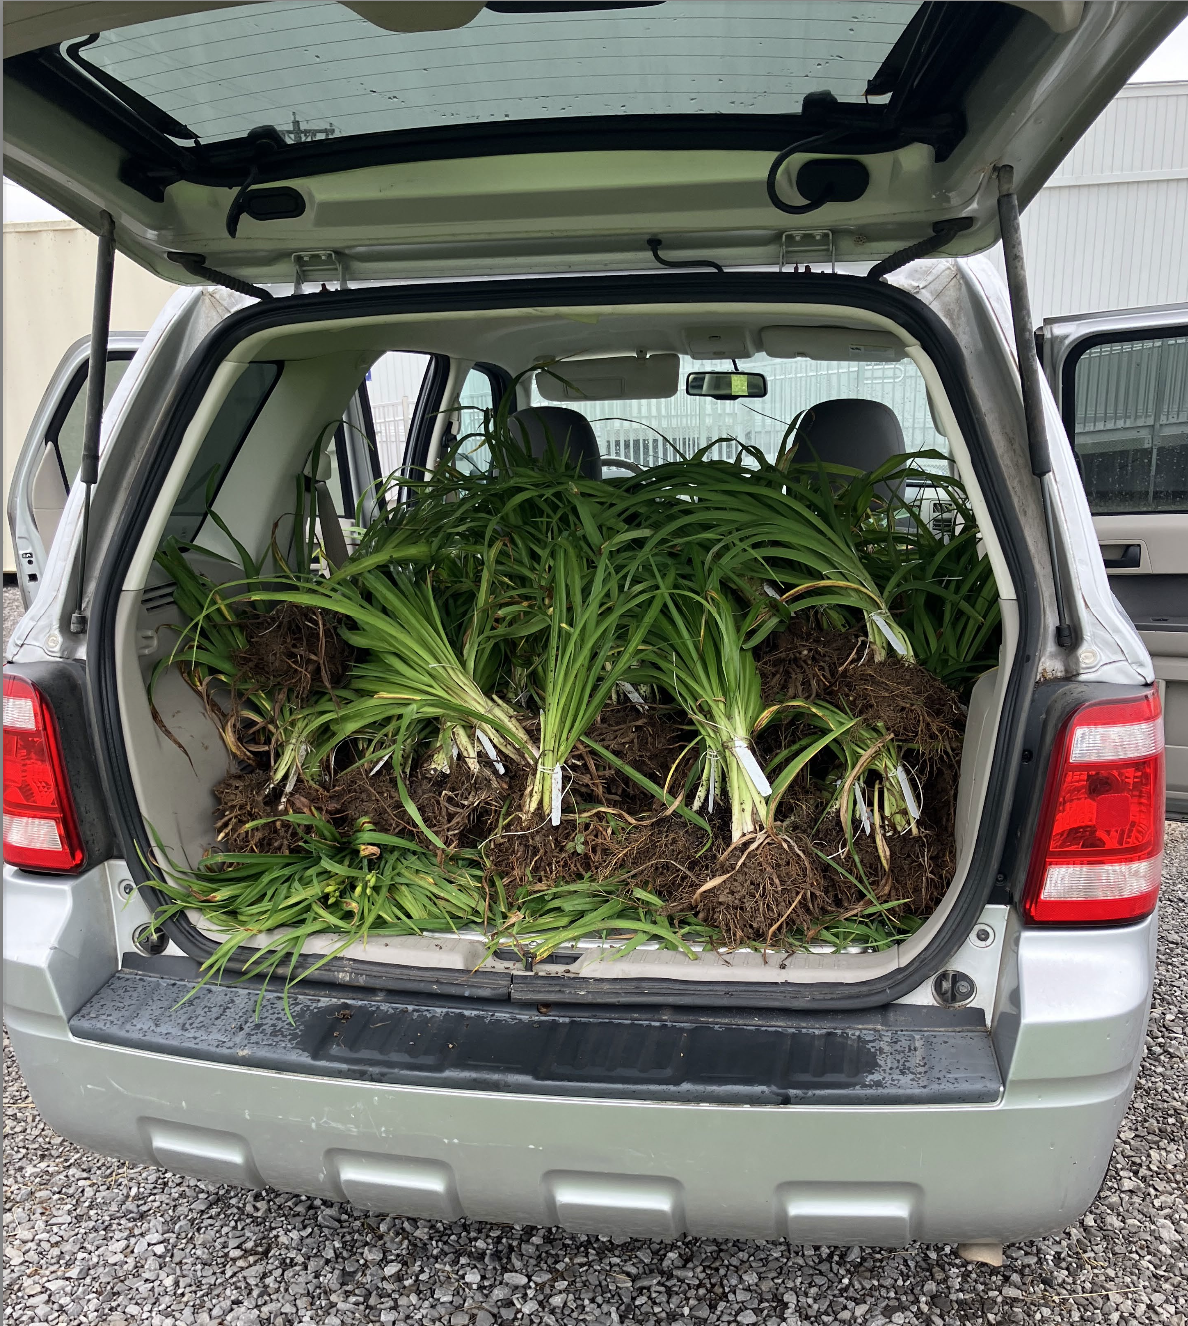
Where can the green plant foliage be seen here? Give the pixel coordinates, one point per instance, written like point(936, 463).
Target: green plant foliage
point(497, 615)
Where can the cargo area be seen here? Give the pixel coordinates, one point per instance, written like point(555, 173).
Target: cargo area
point(285, 462)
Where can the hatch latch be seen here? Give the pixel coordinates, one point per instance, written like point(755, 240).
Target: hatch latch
point(319, 267)
point(808, 245)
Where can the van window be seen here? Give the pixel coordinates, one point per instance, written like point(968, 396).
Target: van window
point(1129, 422)
point(393, 385)
point(651, 432)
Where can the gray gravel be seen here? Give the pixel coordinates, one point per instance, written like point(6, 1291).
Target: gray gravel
point(90, 1240)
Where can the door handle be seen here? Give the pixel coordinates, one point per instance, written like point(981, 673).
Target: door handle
point(1132, 556)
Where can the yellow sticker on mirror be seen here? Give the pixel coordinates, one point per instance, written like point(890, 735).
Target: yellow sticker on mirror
point(738, 384)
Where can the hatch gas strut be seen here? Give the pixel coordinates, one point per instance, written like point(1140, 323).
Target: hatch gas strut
point(1030, 381)
point(88, 471)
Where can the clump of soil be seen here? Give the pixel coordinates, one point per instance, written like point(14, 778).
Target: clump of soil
point(353, 796)
point(463, 807)
point(243, 799)
point(756, 890)
point(652, 740)
point(920, 865)
point(600, 846)
point(917, 708)
point(293, 648)
point(802, 662)
point(807, 663)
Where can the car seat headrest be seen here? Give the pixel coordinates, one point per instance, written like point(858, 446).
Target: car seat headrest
point(544, 428)
point(858, 433)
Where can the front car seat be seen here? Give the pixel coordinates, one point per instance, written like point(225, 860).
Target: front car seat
point(544, 428)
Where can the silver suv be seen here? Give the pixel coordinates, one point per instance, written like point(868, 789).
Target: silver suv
point(386, 214)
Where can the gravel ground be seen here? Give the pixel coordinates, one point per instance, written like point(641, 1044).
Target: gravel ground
point(89, 1240)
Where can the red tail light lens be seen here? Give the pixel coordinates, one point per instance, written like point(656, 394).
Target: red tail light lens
point(40, 829)
point(1099, 841)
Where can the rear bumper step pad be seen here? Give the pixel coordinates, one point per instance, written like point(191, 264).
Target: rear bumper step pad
point(899, 1055)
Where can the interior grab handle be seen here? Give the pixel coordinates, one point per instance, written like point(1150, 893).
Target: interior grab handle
point(1132, 556)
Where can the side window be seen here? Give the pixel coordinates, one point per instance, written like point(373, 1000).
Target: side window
point(1127, 414)
point(393, 385)
point(220, 446)
point(481, 390)
point(65, 432)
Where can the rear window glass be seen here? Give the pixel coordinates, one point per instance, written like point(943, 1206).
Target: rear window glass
point(651, 432)
point(1130, 424)
point(219, 448)
point(320, 71)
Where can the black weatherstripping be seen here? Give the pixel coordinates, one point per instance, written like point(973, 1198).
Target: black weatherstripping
point(663, 288)
point(906, 1055)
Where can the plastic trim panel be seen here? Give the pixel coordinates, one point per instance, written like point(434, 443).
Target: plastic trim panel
point(906, 1055)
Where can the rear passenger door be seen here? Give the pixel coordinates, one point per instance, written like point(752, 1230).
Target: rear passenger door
point(1122, 383)
point(52, 452)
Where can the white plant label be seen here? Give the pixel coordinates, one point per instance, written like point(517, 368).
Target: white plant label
point(892, 636)
point(382, 761)
point(633, 695)
point(906, 788)
point(863, 813)
point(490, 749)
point(712, 756)
point(556, 781)
point(770, 590)
point(750, 764)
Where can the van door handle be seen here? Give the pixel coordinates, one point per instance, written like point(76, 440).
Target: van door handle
point(1132, 556)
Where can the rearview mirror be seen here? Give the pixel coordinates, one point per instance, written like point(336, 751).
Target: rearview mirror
point(726, 386)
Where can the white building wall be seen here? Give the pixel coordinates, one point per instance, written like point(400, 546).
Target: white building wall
point(49, 284)
point(1110, 229)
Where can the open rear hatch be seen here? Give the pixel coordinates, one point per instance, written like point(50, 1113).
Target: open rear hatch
point(385, 140)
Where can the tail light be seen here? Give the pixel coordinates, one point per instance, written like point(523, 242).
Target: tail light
point(1099, 841)
point(40, 828)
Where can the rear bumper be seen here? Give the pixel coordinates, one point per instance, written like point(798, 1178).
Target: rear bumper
point(1069, 1029)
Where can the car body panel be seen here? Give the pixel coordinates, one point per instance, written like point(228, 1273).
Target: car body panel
point(1073, 1005)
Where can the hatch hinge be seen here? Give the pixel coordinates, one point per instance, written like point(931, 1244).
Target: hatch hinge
point(819, 245)
point(320, 267)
